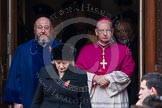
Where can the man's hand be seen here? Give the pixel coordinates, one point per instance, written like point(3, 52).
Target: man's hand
point(101, 80)
point(139, 102)
point(16, 105)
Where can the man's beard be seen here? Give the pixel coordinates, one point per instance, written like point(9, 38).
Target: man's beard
point(123, 40)
point(44, 41)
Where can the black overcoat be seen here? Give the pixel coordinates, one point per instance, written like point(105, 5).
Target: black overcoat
point(71, 91)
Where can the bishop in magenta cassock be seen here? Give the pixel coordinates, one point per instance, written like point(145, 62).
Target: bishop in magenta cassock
point(113, 61)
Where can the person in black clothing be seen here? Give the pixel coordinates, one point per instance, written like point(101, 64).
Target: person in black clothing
point(61, 85)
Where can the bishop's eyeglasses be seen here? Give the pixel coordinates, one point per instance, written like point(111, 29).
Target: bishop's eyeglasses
point(104, 30)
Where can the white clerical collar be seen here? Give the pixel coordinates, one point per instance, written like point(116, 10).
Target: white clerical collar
point(105, 45)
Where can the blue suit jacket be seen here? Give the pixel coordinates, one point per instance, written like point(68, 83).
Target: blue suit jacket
point(22, 82)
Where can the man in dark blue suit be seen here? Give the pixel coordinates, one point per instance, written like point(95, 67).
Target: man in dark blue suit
point(27, 61)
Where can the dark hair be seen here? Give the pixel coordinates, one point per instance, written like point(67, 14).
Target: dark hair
point(137, 106)
point(153, 101)
point(153, 80)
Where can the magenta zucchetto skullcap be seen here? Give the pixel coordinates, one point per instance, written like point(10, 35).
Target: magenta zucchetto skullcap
point(104, 18)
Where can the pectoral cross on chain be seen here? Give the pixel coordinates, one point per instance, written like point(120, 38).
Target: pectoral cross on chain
point(103, 63)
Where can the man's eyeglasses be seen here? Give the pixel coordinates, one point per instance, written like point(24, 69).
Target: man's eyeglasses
point(39, 27)
point(104, 30)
